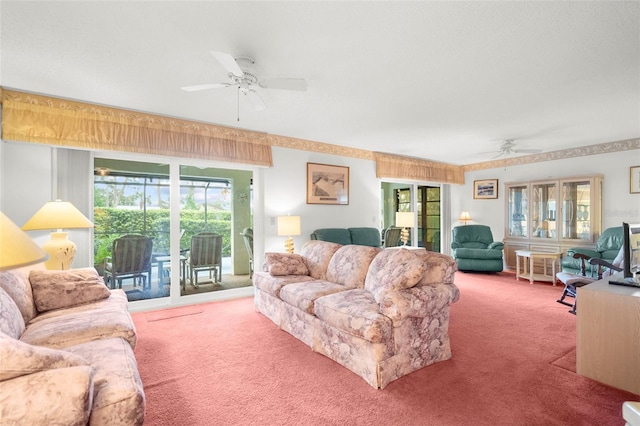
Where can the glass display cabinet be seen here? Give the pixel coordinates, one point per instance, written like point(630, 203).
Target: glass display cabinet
point(552, 215)
point(518, 213)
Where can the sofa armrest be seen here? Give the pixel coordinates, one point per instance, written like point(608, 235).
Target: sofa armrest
point(496, 245)
point(61, 396)
point(418, 302)
point(589, 253)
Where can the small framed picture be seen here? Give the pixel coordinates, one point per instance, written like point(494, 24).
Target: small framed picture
point(634, 185)
point(327, 184)
point(485, 189)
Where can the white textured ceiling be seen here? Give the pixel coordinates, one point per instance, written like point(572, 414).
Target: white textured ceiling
point(445, 81)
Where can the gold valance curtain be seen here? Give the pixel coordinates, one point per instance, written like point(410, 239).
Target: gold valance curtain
point(43, 119)
point(393, 166)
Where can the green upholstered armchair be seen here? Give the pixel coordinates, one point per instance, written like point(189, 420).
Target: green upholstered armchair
point(607, 248)
point(474, 249)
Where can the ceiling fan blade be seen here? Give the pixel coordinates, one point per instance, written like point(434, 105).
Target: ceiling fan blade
point(527, 151)
point(254, 100)
point(228, 62)
point(299, 84)
point(204, 87)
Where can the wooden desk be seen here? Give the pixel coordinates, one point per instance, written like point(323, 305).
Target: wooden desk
point(528, 264)
point(608, 334)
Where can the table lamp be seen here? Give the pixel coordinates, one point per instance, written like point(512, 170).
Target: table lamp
point(288, 226)
point(465, 217)
point(58, 215)
point(404, 220)
point(16, 248)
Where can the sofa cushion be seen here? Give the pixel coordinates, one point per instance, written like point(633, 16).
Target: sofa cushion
point(355, 312)
point(285, 264)
point(273, 285)
point(62, 328)
point(365, 236)
point(392, 270)
point(302, 295)
point(317, 255)
point(11, 321)
point(19, 358)
point(16, 283)
point(477, 253)
point(349, 265)
point(118, 396)
point(63, 289)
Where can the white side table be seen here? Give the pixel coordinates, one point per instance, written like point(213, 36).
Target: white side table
point(528, 258)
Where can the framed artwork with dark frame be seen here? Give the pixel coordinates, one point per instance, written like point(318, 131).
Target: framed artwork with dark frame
point(327, 184)
point(634, 183)
point(485, 189)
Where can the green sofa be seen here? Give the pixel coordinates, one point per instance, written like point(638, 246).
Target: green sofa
point(473, 249)
point(607, 248)
point(345, 236)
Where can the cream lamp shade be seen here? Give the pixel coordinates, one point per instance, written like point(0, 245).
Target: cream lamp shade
point(465, 217)
point(288, 226)
point(405, 220)
point(58, 215)
point(16, 248)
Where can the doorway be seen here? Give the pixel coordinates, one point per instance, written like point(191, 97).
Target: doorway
point(425, 201)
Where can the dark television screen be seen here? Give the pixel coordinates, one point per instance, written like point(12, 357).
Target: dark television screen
point(631, 249)
point(631, 253)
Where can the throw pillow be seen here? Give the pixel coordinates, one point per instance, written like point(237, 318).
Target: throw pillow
point(16, 283)
point(11, 321)
point(19, 358)
point(63, 289)
point(392, 270)
point(285, 264)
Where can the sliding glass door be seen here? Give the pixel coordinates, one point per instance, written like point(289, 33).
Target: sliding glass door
point(134, 198)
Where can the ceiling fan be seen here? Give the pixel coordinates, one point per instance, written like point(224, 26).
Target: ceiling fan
point(508, 147)
point(244, 78)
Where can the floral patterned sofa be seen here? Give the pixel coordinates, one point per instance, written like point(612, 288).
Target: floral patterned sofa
point(381, 313)
point(66, 350)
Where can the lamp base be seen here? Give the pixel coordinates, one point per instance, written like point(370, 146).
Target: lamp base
point(404, 236)
point(61, 251)
point(288, 245)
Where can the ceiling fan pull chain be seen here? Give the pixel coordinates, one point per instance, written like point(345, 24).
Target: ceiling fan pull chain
point(238, 103)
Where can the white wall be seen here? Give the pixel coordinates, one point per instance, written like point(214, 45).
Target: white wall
point(26, 175)
point(618, 204)
point(285, 192)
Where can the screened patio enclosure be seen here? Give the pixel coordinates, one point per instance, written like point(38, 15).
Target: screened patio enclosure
point(133, 197)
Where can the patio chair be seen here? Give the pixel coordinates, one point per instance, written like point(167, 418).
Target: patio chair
point(247, 236)
point(205, 255)
point(130, 258)
point(392, 236)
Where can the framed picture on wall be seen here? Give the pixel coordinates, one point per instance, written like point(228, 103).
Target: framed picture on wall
point(327, 184)
point(634, 185)
point(485, 189)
